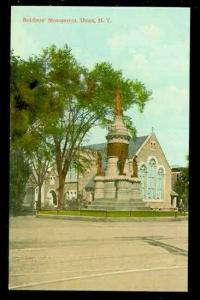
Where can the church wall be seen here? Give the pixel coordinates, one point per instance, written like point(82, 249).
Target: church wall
point(69, 185)
point(153, 149)
point(51, 183)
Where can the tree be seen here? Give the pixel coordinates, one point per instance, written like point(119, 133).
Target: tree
point(40, 162)
point(78, 99)
point(19, 174)
point(28, 102)
point(182, 185)
point(39, 154)
point(28, 98)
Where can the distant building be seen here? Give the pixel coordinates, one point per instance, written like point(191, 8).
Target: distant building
point(176, 171)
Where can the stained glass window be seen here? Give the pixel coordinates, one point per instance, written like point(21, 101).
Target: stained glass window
point(72, 175)
point(142, 177)
point(159, 190)
point(151, 179)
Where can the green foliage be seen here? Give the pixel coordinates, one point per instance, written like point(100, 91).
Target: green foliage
point(129, 124)
point(101, 85)
point(25, 87)
point(112, 214)
point(182, 186)
point(55, 101)
point(19, 174)
point(43, 87)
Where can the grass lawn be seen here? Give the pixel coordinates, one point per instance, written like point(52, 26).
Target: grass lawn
point(111, 213)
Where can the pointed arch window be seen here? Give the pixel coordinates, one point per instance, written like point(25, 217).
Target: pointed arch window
point(151, 179)
point(72, 174)
point(160, 184)
point(142, 177)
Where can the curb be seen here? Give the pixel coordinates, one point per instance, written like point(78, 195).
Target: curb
point(110, 219)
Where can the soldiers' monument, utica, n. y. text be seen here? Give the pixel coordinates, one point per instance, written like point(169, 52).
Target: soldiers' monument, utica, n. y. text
point(118, 188)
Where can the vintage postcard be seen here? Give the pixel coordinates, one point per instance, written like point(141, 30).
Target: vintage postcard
point(99, 148)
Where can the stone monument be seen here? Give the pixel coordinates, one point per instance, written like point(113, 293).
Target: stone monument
point(119, 187)
point(135, 167)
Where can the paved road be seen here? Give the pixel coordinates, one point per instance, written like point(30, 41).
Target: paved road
point(81, 255)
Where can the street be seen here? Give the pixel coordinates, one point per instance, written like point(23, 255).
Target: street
point(51, 254)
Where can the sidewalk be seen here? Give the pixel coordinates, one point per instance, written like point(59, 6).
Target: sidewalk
point(111, 219)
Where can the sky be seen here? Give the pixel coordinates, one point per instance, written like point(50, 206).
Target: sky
point(150, 44)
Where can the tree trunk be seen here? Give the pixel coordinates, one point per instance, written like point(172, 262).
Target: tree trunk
point(61, 190)
point(39, 196)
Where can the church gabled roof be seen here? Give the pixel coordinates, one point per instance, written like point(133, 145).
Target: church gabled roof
point(98, 147)
point(134, 145)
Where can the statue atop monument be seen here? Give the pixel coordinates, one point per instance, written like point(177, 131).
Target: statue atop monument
point(121, 164)
point(118, 103)
point(135, 167)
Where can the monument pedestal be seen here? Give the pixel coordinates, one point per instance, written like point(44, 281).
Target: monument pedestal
point(118, 192)
point(99, 187)
point(136, 189)
point(124, 189)
point(110, 189)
